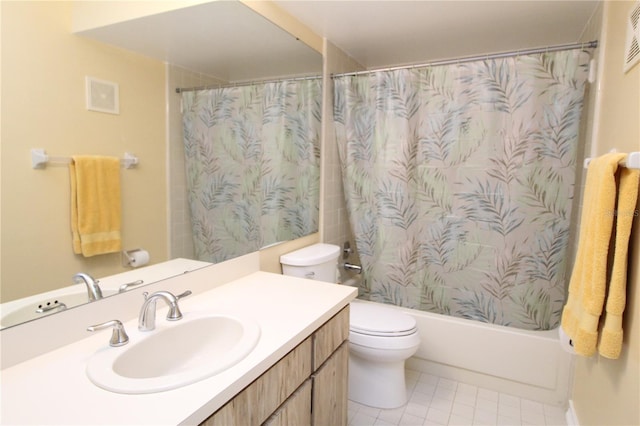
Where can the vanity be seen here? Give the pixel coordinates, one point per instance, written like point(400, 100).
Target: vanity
point(295, 374)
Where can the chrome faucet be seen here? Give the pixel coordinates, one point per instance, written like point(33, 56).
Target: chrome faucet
point(147, 319)
point(93, 289)
point(352, 267)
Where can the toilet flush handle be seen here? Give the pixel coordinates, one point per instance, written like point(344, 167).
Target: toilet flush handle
point(311, 275)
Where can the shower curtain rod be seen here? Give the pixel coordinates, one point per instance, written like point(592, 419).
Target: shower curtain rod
point(246, 83)
point(588, 45)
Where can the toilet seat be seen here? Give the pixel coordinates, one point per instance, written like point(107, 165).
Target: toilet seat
point(375, 320)
point(385, 343)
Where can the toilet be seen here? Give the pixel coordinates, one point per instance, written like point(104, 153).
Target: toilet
point(381, 338)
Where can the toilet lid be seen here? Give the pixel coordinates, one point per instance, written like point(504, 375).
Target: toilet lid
point(376, 320)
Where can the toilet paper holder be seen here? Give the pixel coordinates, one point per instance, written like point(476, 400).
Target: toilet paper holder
point(134, 258)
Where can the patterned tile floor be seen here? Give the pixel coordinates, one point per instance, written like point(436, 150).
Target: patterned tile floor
point(438, 401)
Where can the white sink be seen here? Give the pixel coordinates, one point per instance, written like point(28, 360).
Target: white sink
point(17, 312)
point(176, 354)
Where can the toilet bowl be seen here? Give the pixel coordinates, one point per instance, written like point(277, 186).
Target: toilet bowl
point(381, 338)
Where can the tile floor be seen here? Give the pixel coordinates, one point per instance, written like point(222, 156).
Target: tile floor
point(438, 401)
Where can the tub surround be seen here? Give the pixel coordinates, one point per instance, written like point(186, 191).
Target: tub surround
point(48, 387)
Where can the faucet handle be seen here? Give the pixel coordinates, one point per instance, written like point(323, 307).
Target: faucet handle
point(184, 294)
point(174, 313)
point(118, 337)
point(125, 287)
point(145, 294)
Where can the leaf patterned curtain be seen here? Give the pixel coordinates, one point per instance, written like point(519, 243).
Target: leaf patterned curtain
point(253, 165)
point(459, 181)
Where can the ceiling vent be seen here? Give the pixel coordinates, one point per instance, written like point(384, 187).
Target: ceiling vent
point(632, 47)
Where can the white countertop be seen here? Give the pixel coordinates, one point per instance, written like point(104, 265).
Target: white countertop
point(54, 389)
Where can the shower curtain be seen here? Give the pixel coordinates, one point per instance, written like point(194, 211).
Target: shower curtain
point(459, 182)
point(252, 159)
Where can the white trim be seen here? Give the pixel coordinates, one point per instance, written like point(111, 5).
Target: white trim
point(571, 416)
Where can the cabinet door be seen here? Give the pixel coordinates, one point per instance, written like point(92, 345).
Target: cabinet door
point(330, 387)
point(296, 410)
point(328, 337)
point(261, 398)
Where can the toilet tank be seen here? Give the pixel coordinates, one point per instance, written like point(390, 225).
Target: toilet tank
point(316, 262)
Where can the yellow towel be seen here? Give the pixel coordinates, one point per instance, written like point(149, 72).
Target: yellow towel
point(587, 287)
point(610, 344)
point(95, 205)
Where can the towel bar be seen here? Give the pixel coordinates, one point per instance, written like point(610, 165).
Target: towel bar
point(40, 159)
point(631, 162)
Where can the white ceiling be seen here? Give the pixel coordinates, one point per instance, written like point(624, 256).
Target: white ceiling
point(224, 39)
point(396, 32)
point(228, 40)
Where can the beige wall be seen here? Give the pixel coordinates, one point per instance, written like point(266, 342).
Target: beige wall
point(606, 392)
point(43, 106)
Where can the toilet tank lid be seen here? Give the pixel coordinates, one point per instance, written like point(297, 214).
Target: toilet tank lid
point(311, 255)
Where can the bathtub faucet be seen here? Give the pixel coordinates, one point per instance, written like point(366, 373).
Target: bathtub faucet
point(352, 267)
point(93, 289)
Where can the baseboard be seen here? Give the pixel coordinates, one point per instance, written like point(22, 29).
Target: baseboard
point(571, 417)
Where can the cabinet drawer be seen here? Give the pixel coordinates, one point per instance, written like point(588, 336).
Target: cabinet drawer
point(254, 404)
point(330, 336)
point(296, 410)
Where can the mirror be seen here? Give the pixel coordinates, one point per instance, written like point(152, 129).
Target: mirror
point(49, 48)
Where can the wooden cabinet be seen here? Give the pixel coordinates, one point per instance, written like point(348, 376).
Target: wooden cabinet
point(296, 410)
point(329, 398)
point(308, 386)
point(330, 336)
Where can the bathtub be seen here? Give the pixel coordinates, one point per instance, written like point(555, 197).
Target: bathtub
point(528, 364)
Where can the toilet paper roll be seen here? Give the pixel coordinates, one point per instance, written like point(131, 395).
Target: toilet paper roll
point(138, 258)
point(565, 341)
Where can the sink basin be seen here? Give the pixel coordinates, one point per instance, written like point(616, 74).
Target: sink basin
point(47, 306)
point(178, 354)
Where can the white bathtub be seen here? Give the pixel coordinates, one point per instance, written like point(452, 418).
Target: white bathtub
point(529, 364)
